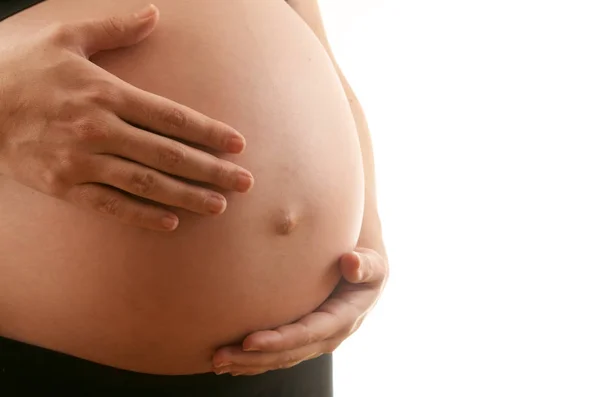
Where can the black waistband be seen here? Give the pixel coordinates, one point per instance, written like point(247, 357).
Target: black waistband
point(27, 369)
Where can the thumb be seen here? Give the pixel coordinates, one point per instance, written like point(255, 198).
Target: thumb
point(350, 267)
point(114, 32)
point(363, 266)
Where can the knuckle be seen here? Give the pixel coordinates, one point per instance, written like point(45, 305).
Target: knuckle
point(68, 108)
point(220, 172)
point(83, 194)
point(114, 26)
point(66, 162)
point(171, 155)
point(54, 183)
point(90, 130)
point(56, 178)
point(189, 199)
point(59, 33)
point(175, 118)
point(108, 205)
point(142, 183)
point(307, 335)
point(102, 93)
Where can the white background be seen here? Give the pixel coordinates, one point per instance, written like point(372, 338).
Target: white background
point(485, 117)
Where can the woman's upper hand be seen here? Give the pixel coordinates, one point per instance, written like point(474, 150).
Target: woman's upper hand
point(74, 131)
point(364, 276)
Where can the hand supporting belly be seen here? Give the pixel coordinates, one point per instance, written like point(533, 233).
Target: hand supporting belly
point(161, 303)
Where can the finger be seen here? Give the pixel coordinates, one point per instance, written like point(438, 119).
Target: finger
point(91, 36)
point(155, 113)
point(312, 328)
point(340, 314)
point(350, 267)
point(238, 370)
point(234, 357)
point(176, 158)
point(363, 266)
point(112, 203)
point(153, 185)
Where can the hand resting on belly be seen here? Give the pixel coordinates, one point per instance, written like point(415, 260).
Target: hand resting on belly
point(164, 302)
point(89, 152)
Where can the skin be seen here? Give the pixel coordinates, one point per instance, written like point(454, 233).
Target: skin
point(152, 303)
point(95, 126)
point(365, 271)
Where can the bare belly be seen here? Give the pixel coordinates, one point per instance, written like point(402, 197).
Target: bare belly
point(163, 302)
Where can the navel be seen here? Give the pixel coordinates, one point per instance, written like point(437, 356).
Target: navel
point(286, 223)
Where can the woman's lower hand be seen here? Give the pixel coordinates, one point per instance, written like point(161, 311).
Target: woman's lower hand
point(364, 276)
point(71, 130)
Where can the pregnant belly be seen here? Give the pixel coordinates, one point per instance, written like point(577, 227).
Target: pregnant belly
point(163, 302)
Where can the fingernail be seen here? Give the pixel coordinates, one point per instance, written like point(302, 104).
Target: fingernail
point(235, 144)
point(146, 12)
point(251, 349)
point(221, 371)
point(222, 364)
point(215, 204)
point(170, 222)
point(244, 182)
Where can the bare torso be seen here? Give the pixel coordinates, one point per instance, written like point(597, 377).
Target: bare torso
point(162, 302)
